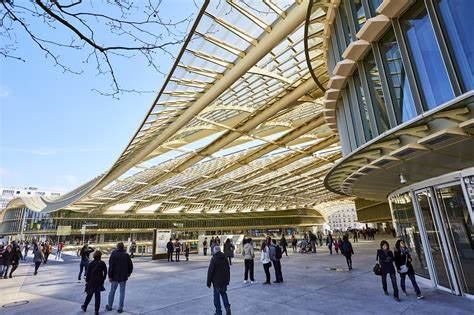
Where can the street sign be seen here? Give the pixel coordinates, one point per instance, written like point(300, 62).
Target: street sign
point(63, 230)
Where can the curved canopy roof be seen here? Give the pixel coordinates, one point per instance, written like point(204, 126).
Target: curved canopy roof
point(237, 126)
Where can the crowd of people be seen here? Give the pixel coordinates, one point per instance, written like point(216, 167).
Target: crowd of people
point(176, 247)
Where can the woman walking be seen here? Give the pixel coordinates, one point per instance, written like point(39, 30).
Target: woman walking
point(38, 257)
point(347, 250)
point(405, 267)
point(265, 259)
point(386, 259)
point(95, 277)
point(294, 242)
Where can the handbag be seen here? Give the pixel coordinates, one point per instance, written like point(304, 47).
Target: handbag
point(377, 270)
point(404, 268)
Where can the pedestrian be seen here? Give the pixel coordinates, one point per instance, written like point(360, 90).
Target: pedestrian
point(329, 242)
point(284, 244)
point(16, 256)
point(2, 250)
point(229, 250)
point(337, 245)
point(294, 242)
point(7, 260)
point(265, 259)
point(218, 275)
point(177, 248)
point(385, 259)
point(204, 246)
point(84, 254)
point(59, 250)
point(249, 257)
point(133, 249)
point(320, 238)
point(95, 277)
point(186, 251)
point(312, 240)
point(170, 249)
point(26, 248)
point(120, 269)
point(46, 251)
point(38, 256)
point(404, 265)
point(347, 250)
point(276, 259)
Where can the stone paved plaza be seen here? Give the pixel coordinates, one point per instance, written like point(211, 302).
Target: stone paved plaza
point(314, 284)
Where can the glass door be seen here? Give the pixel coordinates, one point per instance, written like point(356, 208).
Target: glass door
point(457, 223)
point(435, 243)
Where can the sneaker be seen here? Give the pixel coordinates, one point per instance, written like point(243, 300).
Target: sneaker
point(245, 282)
point(83, 308)
point(253, 282)
point(108, 308)
point(405, 293)
point(419, 297)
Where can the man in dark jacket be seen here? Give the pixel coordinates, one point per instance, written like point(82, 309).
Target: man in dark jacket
point(16, 256)
point(120, 269)
point(170, 249)
point(219, 275)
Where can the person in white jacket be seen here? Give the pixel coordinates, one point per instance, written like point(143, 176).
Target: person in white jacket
point(265, 259)
point(249, 257)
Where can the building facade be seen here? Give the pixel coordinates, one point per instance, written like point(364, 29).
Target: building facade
point(8, 194)
point(402, 101)
point(344, 219)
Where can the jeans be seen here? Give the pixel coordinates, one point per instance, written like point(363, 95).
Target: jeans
point(285, 251)
point(13, 269)
point(393, 278)
point(230, 260)
point(278, 274)
point(410, 275)
point(349, 261)
point(37, 265)
point(170, 256)
point(330, 249)
point(113, 288)
point(248, 268)
point(177, 255)
point(83, 266)
point(97, 300)
point(205, 251)
point(313, 246)
point(218, 293)
point(266, 267)
point(5, 270)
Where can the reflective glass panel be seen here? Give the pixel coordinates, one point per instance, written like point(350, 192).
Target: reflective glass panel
point(426, 57)
point(363, 107)
point(407, 228)
point(376, 93)
point(402, 98)
point(374, 4)
point(458, 26)
point(359, 13)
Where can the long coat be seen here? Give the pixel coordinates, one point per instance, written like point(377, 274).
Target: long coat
point(95, 276)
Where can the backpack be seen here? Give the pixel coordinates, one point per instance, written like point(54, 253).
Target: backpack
point(278, 252)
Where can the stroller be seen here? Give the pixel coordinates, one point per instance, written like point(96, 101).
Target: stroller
point(305, 246)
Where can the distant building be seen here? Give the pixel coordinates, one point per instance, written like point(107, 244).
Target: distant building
point(7, 194)
point(344, 219)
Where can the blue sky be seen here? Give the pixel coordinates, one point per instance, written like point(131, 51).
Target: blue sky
point(55, 132)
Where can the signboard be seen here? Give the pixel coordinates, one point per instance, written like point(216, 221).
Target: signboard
point(162, 237)
point(63, 230)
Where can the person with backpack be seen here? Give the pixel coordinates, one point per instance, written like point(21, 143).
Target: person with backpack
point(405, 268)
point(265, 259)
point(385, 259)
point(170, 249)
point(84, 254)
point(120, 269)
point(95, 277)
point(218, 274)
point(276, 259)
point(249, 257)
point(347, 250)
point(229, 250)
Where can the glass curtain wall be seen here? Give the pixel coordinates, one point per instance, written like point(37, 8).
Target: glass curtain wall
point(358, 13)
point(425, 56)
point(456, 18)
point(402, 98)
point(407, 228)
point(363, 108)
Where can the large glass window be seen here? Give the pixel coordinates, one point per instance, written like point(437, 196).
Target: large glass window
point(359, 13)
point(376, 94)
point(363, 107)
point(374, 4)
point(407, 229)
point(458, 26)
point(426, 57)
point(402, 99)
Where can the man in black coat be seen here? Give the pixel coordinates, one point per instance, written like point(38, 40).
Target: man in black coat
point(170, 249)
point(120, 269)
point(219, 275)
